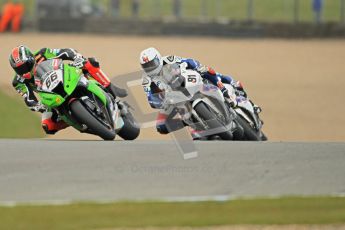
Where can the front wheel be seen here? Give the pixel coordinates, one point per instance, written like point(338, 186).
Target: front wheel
point(211, 119)
point(249, 133)
point(83, 116)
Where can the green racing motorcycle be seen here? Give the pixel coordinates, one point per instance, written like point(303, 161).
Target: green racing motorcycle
point(82, 102)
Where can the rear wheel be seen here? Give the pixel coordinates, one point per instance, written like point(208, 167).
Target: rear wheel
point(83, 116)
point(130, 130)
point(204, 112)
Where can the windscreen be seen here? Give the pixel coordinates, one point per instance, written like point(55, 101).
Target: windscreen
point(44, 68)
point(170, 73)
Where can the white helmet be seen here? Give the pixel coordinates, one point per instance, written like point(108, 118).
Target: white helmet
point(151, 61)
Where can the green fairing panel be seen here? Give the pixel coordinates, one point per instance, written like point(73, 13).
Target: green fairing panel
point(71, 78)
point(51, 100)
point(95, 89)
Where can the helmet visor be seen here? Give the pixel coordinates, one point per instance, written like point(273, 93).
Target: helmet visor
point(24, 68)
point(151, 65)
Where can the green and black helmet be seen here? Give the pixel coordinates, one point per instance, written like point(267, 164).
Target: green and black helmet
point(22, 61)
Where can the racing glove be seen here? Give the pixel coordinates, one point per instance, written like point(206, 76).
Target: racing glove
point(202, 69)
point(38, 108)
point(79, 61)
point(239, 89)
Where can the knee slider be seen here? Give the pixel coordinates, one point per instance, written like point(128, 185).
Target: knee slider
point(47, 130)
point(162, 129)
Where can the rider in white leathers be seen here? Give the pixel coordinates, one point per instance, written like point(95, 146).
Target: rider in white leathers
point(152, 63)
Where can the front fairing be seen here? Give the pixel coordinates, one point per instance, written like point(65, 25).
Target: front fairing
point(51, 100)
point(71, 78)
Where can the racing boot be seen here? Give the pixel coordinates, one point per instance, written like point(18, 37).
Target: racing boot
point(117, 91)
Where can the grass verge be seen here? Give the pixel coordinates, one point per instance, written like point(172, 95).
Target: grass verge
point(17, 121)
point(283, 211)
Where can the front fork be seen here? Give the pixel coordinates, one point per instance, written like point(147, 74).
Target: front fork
point(114, 107)
point(117, 115)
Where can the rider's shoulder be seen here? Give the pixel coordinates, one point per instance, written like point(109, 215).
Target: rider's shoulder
point(171, 59)
point(47, 51)
point(41, 51)
point(146, 80)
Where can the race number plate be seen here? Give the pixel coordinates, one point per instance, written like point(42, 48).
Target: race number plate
point(52, 80)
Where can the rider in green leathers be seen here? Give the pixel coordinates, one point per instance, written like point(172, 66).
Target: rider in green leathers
point(23, 62)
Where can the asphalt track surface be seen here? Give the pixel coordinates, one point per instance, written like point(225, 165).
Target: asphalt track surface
point(53, 171)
